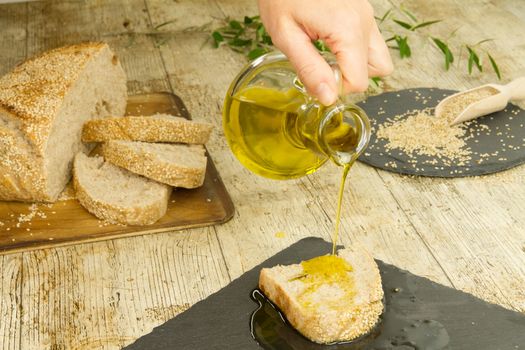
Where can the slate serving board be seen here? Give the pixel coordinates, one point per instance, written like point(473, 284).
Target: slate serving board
point(222, 321)
point(505, 135)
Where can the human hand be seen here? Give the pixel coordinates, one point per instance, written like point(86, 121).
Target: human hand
point(347, 27)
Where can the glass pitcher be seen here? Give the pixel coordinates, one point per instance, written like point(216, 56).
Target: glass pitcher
point(278, 131)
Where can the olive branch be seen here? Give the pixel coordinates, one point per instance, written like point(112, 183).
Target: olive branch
point(249, 37)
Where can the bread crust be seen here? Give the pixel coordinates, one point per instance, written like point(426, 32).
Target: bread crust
point(357, 318)
point(32, 93)
point(149, 165)
point(31, 98)
point(20, 177)
point(126, 215)
point(155, 128)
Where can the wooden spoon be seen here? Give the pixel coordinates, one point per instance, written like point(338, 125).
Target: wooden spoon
point(514, 90)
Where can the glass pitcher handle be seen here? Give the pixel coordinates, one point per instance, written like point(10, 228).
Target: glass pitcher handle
point(338, 80)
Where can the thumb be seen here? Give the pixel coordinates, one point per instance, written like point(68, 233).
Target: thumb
point(315, 74)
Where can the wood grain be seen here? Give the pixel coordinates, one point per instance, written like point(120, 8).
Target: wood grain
point(467, 233)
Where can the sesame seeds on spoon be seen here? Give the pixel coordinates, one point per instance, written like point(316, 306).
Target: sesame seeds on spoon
point(480, 101)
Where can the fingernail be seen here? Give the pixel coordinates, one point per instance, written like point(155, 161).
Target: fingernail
point(325, 95)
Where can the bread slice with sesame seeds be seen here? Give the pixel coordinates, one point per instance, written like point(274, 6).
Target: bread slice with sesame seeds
point(44, 102)
point(178, 165)
point(330, 298)
point(116, 195)
point(155, 128)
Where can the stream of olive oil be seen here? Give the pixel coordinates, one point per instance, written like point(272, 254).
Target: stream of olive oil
point(335, 236)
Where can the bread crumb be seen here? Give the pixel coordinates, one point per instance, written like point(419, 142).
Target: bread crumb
point(34, 211)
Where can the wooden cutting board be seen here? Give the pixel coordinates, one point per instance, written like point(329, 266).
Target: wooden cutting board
point(26, 226)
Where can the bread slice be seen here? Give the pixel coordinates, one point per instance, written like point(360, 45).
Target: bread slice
point(155, 128)
point(177, 165)
point(44, 102)
point(330, 298)
point(116, 195)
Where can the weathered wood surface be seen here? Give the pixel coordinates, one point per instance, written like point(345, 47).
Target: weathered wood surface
point(466, 233)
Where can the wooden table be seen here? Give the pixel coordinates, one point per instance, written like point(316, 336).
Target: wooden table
point(466, 233)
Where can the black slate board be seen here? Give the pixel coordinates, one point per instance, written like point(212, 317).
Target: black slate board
point(506, 128)
point(221, 321)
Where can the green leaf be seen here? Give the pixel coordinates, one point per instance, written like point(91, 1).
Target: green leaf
point(482, 41)
point(376, 80)
point(473, 59)
point(260, 31)
point(235, 25)
point(240, 42)
point(257, 52)
point(449, 58)
point(409, 14)
point(469, 64)
point(402, 44)
point(266, 39)
point(237, 49)
point(321, 46)
point(248, 20)
point(403, 24)
point(494, 66)
point(217, 38)
point(262, 35)
point(424, 24)
point(384, 17)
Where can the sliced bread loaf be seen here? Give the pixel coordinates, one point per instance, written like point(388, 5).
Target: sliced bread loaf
point(155, 128)
point(116, 195)
point(43, 104)
point(177, 165)
point(329, 298)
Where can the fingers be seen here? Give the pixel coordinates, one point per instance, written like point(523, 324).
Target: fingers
point(379, 61)
point(311, 67)
point(352, 57)
point(360, 55)
point(349, 30)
